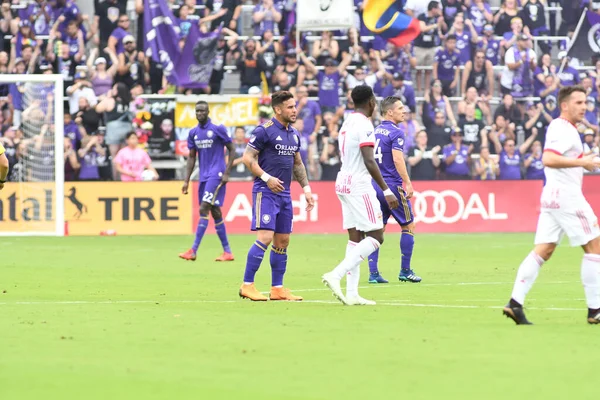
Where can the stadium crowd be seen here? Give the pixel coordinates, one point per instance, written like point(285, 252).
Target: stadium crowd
point(479, 86)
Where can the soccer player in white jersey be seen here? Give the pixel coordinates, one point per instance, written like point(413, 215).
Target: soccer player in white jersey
point(360, 208)
point(564, 209)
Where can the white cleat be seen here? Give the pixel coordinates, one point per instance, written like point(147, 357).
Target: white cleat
point(333, 283)
point(359, 301)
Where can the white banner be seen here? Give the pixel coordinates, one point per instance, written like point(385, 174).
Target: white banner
point(319, 15)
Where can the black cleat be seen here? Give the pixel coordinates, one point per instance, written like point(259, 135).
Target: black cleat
point(593, 317)
point(517, 315)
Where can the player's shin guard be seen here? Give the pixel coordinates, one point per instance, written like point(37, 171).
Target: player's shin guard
point(590, 277)
point(278, 265)
point(526, 276)
point(374, 262)
point(407, 243)
point(200, 230)
point(353, 276)
point(361, 251)
point(255, 257)
point(222, 232)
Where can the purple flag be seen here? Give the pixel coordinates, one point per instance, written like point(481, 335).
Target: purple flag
point(162, 37)
point(197, 59)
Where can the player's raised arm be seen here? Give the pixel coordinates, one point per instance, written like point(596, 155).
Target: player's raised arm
point(300, 175)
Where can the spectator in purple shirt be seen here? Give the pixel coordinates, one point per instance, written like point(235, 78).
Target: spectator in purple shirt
point(24, 37)
point(457, 157)
point(569, 76)
point(510, 157)
point(464, 38)
point(534, 167)
point(490, 44)
point(329, 80)
point(69, 10)
point(310, 112)
point(480, 13)
point(73, 37)
point(445, 65)
point(115, 41)
point(90, 154)
point(266, 15)
point(39, 15)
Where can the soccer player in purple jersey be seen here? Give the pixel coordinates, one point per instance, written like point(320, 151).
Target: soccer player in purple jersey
point(273, 157)
point(389, 154)
point(208, 141)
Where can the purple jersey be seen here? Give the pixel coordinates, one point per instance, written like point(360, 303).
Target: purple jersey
point(536, 168)
point(73, 43)
point(72, 132)
point(277, 147)
point(460, 165)
point(388, 137)
point(308, 114)
point(70, 11)
point(447, 64)
point(89, 166)
point(329, 89)
point(119, 34)
point(510, 166)
point(569, 76)
point(476, 16)
point(41, 26)
point(268, 23)
point(463, 45)
point(492, 50)
point(209, 140)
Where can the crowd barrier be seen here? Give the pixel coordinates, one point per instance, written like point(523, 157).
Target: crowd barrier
point(157, 208)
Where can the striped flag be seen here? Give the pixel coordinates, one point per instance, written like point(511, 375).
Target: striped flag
point(385, 18)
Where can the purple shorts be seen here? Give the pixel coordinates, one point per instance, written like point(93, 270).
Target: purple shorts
point(272, 212)
point(212, 192)
point(403, 214)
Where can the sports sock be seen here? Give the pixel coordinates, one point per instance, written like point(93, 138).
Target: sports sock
point(526, 276)
point(353, 276)
point(373, 262)
point(222, 232)
point(590, 277)
point(200, 230)
point(407, 243)
point(361, 251)
point(278, 265)
point(255, 257)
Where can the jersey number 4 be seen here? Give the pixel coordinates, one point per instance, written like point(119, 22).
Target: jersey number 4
point(378, 153)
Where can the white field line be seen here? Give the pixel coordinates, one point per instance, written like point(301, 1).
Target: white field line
point(384, 303)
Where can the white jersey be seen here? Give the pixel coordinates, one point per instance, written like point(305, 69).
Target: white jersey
point(356, 132)
point(563, 138)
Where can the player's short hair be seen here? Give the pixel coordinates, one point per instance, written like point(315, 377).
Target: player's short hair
point(361, 95)
point(388, 103)
point(201, 102)
point(130, 134)
point(280, 97)
point(451, 36)
point(565, 92)
point(432, 5)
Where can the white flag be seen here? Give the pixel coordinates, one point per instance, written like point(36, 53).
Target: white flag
point(320, 15)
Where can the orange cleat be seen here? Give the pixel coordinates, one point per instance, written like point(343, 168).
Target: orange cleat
point(280, 293)
point(250, 292)
point(225, 257)
point(188, 255)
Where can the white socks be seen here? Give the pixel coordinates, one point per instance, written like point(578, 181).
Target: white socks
point(353, 276)
point(355, 256)
point(526, 276)
point(590, 277)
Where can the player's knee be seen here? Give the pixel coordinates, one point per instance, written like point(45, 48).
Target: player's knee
point(378, 235)
point(216, 213)
point(545, 250)
point(265, 237)
point(593, 246)
point(281, 241)
point(205, 208)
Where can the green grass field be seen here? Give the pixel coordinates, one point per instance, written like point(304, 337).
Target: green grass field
point(123, 318)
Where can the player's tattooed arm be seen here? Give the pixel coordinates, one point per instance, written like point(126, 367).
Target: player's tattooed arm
point(250, 160)
point(300, 171)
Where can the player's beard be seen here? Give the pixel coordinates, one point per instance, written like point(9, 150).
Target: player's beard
point(291, 119)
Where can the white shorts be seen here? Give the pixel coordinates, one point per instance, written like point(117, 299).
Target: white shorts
point(361, 212)
point(577, 221)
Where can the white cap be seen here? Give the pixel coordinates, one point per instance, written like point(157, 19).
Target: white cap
point(562, 54)
point(100, 60)
point(254, 90)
